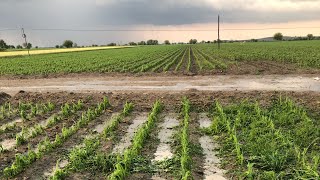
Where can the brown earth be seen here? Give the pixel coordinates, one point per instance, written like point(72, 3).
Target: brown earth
point(172, 100)
point(4, 97)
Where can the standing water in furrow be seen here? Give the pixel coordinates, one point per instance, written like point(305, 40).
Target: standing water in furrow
point(125, 142)
point(98, 129)
point(165, 136)
point(10, 144)
point(212, 162)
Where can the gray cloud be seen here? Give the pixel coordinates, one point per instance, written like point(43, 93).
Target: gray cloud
point(90, 13)
point(115, 14)
point(166, 12)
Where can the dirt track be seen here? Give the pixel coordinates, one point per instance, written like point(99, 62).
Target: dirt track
point(89, 84)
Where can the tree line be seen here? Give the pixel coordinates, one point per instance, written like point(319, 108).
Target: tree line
point(4, 46)
point(69, 43)
point(279, 37)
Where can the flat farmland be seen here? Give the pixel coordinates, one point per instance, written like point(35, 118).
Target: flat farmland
point(246, 111)
point(187, 135)
point(301, 57)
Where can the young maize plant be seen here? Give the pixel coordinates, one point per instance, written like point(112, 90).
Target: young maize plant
point(277, 142)
point(185, 159)
point(124, 162)
point(6, 111)
point(80, 158)
point(23, 161)
point(181, 60)
point(189, 60)
point(107, 132)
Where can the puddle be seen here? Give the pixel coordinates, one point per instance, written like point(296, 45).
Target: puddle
point(45, 122)
point(100, 127)
point(12, 123)
point(212, 162)
point(165, 135)
point(8, 144)
point(125, 142)
point(62, 164)
point(204, 120)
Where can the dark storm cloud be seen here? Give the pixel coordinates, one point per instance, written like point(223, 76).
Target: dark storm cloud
point(90, 13)
point(156, 12)
point(166, 12)
point(122, 14)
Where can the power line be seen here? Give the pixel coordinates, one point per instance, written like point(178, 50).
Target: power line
point(160, 30)
point(9, 29)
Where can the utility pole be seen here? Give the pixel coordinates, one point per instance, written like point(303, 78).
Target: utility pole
point(24, 36)
point(218, 31)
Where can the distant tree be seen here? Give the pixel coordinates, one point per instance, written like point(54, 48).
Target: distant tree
point(19, 47)
point(36, 47)
point(3, 44)
point(152, 42)
point(132, 43)
point(28, 46)
point(75, 45)
point(167, 42)
point(57, 46)
point(278, 36)
point(142, 43)
point(11, 47)
point(310, 36)
point(112, 44)
point(193, 41)
point(67, 44)
point(60, 46)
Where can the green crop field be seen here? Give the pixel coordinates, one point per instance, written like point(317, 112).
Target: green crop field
point(90, 136)
point(202, 58)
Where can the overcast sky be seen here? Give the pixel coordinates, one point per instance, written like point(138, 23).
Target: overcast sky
point(153, 14)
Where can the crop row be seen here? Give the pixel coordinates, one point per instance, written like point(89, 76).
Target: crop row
point(22, 161)
point(206, 57)
point(281, 142)
point(278, 141)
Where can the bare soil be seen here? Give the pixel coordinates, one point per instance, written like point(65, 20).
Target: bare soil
point(4, 97)
point(143, 84)
point(172, 100)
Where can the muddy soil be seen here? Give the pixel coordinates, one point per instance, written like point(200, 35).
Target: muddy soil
point(165, 84)
point(4, 97)
point(39, 168)
point(143, 101)
point(201, 99)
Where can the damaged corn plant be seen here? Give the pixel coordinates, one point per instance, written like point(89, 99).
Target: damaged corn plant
point(279, 141)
